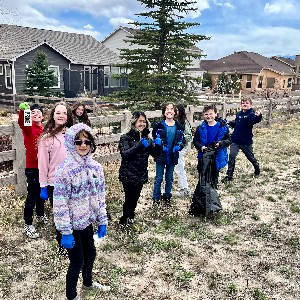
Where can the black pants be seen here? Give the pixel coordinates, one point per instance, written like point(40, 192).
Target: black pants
point(33, 196)
point(132, 195)
point(50, 194)
point(234, 150)
point(82, 257)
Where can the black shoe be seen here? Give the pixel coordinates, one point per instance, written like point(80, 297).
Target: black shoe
point(256, 170)
point(226, 179)
point(156, 201)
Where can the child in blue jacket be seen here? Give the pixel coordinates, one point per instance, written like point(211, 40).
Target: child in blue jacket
point(212, 131)
point(242, 137)
point(171, 134)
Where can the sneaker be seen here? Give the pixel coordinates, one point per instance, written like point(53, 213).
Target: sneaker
point(30, 231)
point(183, 193)
point(97, 285)
point(226, 179)
point(156, 202)
point(43, 220)
point(256, 170)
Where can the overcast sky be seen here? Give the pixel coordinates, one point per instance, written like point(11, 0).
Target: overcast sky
point(266, 27)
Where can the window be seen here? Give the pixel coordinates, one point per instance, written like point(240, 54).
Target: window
point(56, 74)
point(260, 81)
point(270, 82)
point(248, 82)
point(115, 82)
point(289, 83)
point(1, 69)
point(124, 80)
point(8, 82)
point(106, 76)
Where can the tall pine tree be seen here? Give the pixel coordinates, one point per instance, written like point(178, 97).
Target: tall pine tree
point(158, 68)
point(39, 78)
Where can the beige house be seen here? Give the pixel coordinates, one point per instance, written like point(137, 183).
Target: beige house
point(256, 72)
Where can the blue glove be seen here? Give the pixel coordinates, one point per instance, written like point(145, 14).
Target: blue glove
point(44, 193)
point(145, 142)
point(157, 141)
point(101, 231)
point(165, 149)
point(67, 241)
point(176, 148)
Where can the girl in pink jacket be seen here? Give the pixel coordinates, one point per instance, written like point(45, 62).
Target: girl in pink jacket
point(51, 149)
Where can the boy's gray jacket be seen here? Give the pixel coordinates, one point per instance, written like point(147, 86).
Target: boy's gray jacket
point(79, 189)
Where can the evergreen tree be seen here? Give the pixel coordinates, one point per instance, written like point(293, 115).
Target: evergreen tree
point(39, 78)
point(158, 68)
point(223, 84)
point(235, 84)
point(207, 80)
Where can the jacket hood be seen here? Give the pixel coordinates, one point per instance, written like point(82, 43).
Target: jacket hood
point(71, 133)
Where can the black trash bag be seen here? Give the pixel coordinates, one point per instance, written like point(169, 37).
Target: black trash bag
point(205, 199)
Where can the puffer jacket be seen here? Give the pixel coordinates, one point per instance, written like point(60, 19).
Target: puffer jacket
point(179, 140)
point(134, 164)
point(223, 138)
point(79, 189)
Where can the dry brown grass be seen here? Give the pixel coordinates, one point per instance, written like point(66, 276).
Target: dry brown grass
point(248, 251)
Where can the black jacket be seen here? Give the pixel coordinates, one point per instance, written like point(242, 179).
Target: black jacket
point(134, 164)
point(159, 128)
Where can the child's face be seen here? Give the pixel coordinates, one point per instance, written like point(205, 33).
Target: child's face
point(79, 111)
point(210, 115)
point(170, 111)
point(81, 145)
point(140, 124)
point(245, 105)
point(36, 116)
point(60, 115)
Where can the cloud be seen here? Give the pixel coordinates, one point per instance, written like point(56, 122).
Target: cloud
point(116, 22)
point(280, 7)
point(88, 27)
point(266, 41)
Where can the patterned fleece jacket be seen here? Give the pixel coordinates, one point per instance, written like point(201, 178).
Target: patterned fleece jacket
point(79, 189)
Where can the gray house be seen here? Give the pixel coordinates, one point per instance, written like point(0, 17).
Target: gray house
point(78, 60)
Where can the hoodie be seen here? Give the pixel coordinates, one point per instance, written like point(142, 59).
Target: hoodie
point(79, 189)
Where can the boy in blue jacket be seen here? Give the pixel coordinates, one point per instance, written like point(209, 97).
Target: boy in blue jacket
point(242, 137)
point(212, 131)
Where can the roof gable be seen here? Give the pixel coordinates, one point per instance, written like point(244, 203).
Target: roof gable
point(83, 49)
point(246, 63)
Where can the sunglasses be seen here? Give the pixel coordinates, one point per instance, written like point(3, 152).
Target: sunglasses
point(80, 142)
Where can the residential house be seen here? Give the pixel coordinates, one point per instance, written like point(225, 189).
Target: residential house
point(256, 72)
point(117, 40)
point(78, 60)
point(295, 65)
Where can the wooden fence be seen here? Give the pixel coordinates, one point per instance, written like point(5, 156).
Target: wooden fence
point(272, 110)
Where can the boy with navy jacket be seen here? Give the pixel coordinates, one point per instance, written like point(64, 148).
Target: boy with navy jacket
point(242, 136)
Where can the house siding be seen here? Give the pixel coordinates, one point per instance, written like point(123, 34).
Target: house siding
point(54, 59)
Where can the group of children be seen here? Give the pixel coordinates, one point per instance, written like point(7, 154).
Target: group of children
point(59, 167)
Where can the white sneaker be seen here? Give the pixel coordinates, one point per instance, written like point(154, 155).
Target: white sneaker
point(97, 285)
point(182, 193)
point(43, 220)
point(30, 231)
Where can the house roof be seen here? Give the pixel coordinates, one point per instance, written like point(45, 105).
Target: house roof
point(246, 63)
point(288, 61)
point(15, 41)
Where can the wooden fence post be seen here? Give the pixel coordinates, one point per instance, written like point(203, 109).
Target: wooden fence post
point(289, 105)
point(126, 121)
point(19, 162)
point(190, 114)
point(222, 112)
point(270, 112)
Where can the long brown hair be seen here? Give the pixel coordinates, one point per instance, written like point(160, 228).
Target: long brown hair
point(50, 130)
point(84, 118)
point(181, 115)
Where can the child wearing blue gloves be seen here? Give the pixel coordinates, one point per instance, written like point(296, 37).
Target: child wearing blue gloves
point(135, 148)
point(79, 201)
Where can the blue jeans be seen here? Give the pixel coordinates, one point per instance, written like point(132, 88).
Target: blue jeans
point(160, 170)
